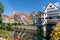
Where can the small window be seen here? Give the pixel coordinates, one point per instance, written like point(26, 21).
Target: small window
point(50, 17)
point(50, 5)
point(58, 17)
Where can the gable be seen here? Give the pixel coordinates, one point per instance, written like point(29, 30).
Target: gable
point(51, 7)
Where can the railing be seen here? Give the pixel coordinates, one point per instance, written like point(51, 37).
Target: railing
point(52, 20)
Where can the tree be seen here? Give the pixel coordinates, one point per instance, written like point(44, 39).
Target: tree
point(1, 8)
point(57, 27)
point(15, 24)
point(8, 27)
point(56, 33)
point(1, 11)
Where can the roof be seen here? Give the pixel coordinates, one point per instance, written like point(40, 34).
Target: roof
point(4, 16)
point(30, 16)
point(19, 14)
point(40, 13)
point(53, 4)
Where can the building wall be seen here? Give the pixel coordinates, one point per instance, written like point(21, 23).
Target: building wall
point(52, 12)
point(34, 17)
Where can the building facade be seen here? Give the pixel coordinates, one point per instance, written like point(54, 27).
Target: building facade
point(4, 18)
point(51, 16)
point(52, 13)
point(30, 19)
point(34, 17)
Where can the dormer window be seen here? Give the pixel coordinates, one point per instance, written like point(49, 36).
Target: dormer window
point(50, 5)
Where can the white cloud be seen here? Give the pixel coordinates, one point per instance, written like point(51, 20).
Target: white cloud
point(57, 4)
point(43, 7)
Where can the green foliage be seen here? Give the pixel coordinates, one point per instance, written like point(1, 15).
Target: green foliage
point(8, 27)
point(0, 19)
point(1, 8)
point(40, 33)
point(1, 11)
point(19, 23)
point(15, 23)
point(4, 26)
point(1, 27)
point(29, 25)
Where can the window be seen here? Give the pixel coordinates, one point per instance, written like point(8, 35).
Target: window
point(50, 5)
point(52, 10)
point(58, 17)
point(50, 17)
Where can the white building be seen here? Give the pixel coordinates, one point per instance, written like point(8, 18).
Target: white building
point(34, 17)
point(52, 15)
point(5, 18)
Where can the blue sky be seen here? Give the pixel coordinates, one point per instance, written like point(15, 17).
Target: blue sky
point(26, 5)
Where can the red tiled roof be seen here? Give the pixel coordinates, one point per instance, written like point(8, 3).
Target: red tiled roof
point(5, 16)
point(30, 16)
point(15, 14)
point(18, 14)
point(25, 14)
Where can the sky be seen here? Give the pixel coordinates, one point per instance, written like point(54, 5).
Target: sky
point(26, 5)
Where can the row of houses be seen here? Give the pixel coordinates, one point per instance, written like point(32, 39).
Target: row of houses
point(47, 19)
point(49, 15)
point(21, 17)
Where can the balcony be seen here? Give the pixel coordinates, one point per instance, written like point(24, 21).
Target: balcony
point(52, 20)
point(49, 15)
